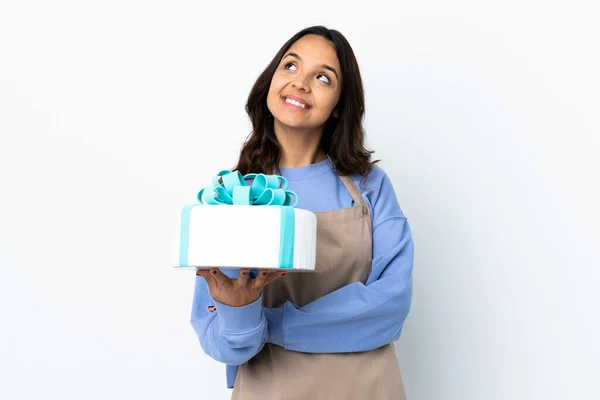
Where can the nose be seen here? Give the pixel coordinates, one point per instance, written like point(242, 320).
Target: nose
point(300, 82)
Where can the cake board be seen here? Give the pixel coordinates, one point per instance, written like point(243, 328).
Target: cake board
point(274, 269)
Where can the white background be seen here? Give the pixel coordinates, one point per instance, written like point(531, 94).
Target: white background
point(113, 115)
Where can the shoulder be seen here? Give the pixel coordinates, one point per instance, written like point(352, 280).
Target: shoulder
point(379, 192)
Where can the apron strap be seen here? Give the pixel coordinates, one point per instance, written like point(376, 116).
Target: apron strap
point(354, 192)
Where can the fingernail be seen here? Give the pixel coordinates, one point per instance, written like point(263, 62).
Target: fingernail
point(284, 274)
point(244, 273)
point(213, 271)
point(265, 273)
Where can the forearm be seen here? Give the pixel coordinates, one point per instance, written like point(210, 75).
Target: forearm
point(332, 325)
point(231, 335)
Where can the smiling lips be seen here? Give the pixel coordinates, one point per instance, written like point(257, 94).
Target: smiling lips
point(295, 102)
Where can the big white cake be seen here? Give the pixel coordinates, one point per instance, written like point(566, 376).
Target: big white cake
point(249, 236)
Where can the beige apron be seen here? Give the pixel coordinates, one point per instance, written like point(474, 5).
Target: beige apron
point(344, 251)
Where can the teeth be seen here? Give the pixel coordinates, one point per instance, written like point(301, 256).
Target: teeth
point(296, 103)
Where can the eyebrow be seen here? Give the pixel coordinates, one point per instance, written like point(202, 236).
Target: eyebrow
point(322, 65)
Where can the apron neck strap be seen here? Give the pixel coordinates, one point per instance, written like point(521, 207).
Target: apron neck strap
point(354, 192)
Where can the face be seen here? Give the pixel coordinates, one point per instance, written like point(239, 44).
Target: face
point(306, 85)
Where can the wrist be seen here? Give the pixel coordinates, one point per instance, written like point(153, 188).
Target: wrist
point(238, 302)
point(239, 318)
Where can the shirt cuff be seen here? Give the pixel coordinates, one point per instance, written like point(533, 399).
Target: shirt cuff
point(275, 323)
point(239, 320)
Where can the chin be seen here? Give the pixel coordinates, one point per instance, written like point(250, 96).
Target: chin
point(291, 121)
point(293, 124)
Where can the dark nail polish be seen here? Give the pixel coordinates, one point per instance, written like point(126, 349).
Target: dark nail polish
point(214, 272)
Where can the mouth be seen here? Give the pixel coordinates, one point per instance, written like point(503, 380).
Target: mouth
point(295, 104)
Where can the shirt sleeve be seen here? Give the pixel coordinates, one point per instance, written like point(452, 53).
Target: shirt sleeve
point(357, 317)
point(231, 335)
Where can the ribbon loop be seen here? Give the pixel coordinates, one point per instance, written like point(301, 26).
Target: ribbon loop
point(230, 187)
point(242, 195)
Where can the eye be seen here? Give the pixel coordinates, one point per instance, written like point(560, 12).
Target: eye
point(326, 77)
point(288, 63)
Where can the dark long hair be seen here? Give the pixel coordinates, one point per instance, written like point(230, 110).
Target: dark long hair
point(343, 137)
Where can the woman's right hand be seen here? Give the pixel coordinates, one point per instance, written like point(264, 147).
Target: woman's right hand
point(237, 292)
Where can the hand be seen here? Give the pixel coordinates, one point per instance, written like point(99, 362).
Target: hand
point(237, 292)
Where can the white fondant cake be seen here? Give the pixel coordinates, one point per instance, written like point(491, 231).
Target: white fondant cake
point(247, 236)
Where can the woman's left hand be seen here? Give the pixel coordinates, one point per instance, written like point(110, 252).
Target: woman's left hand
point(237, 292)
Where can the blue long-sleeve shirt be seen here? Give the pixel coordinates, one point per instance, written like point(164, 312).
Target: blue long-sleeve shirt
point(356, 317)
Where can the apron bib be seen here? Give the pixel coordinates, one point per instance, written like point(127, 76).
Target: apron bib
point(344, 253)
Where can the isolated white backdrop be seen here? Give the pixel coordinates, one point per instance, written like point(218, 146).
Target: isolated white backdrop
point(114, 114)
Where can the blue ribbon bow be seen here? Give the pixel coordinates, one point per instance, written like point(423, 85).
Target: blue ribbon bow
point(269, 190)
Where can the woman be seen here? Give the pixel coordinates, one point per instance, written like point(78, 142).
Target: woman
point(327, 334)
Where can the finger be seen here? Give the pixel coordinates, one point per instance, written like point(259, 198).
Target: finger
point(204, 273)
point(259, 281)
point(219, 277)
point(210, 280)
point(242, 279)
point(273, 276)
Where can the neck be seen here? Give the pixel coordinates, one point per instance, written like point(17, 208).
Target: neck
point(299, 148)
